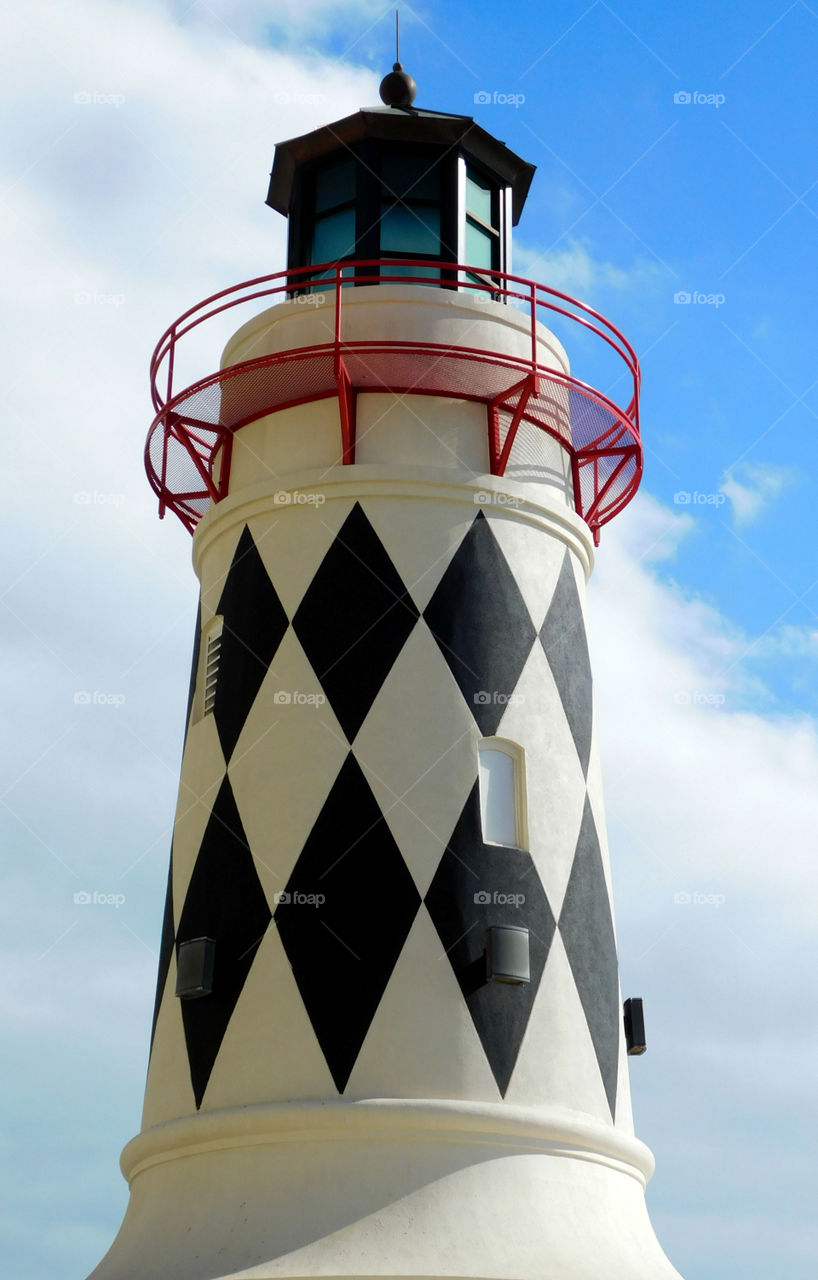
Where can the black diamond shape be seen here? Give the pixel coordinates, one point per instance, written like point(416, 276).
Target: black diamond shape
point(225, 901)
point(253, 628)
point(343, 950)
point(566, 648)
point(354, 620)
point(586, 928)
point(479, 619)
point(165, 948)
point(472, 889)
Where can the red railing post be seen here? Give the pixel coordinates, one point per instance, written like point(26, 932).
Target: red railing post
point(535, 386)
point(171, 353)
point(337, 360)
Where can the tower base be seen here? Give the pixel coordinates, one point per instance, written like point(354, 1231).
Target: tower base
point(412, 1191)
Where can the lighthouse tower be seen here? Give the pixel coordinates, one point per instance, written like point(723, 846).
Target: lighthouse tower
point(388, 1038)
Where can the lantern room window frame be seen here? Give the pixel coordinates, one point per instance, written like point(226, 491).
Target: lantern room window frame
point(374, 198)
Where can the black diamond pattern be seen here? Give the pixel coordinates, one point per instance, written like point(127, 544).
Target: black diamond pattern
point(165, 947)
point(479, 619)
point(586, 928)
point(253, 628)
point(354, 620)
point(343, 950)
point(465, 897)
point(566, 648)
point(225, 901)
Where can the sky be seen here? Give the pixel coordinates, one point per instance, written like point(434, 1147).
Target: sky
point(676, 191)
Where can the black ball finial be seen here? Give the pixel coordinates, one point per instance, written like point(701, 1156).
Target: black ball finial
point(398, 89)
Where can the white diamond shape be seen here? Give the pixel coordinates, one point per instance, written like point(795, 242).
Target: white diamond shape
point(534, 557)
point(422, 1042)
point(284, 764)
point(168, 1091)
point(417, 749)
point(202, 775)
point(420, 538)
point(554, 783)
point(269, 1051)
point(557, 1065)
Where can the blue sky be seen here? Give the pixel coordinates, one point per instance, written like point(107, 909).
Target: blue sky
point(133, 181)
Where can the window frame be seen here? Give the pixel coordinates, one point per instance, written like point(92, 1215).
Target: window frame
point(516, 752)
point(497, 228)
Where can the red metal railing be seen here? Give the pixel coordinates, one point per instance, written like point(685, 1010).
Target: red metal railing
point(187, 454)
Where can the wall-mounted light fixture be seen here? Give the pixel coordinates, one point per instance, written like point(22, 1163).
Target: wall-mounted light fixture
point(635, 1026)
point(194, 968)
point(508, 957)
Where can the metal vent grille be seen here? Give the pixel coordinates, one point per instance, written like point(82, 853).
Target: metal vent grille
point(212, 659)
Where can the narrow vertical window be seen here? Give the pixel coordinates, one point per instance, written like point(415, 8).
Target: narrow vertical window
point(213, 652)
point(482, 229)
point(502, 793)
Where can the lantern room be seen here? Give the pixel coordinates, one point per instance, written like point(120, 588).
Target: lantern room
point(396, 182)
point(397, 198)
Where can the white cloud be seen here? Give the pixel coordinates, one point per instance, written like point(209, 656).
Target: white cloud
point(574, 270)
point(752, 487)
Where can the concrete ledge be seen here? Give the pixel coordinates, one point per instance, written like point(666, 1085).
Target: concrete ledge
point(511, 499)
point(507, 1129)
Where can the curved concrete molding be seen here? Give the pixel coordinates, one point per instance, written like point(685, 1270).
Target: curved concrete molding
point(357, 483)
point(384, 1120)
point(415, 312)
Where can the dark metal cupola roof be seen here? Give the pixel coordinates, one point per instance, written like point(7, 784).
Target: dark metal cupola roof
point(399, 122)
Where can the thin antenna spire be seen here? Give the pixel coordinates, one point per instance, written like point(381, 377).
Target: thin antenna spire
point(397, 35)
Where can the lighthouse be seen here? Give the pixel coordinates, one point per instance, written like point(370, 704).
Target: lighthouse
point(388, 1038)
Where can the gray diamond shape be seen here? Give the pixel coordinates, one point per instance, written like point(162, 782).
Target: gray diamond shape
point(566, 647)
point(586, 928)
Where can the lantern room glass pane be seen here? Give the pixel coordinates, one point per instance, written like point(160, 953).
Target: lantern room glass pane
point(497, 803)
point(416, 176)
point(425, 273)
point(479, 245)
point(333, 236)
point(412, 229)
point(479, 197)
point(335, 185)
